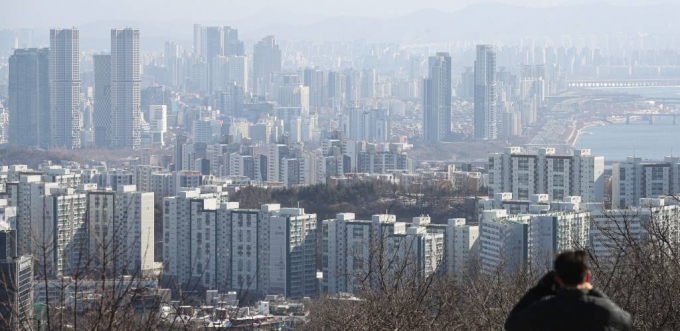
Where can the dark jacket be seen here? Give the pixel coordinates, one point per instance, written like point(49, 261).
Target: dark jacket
point(543, 308)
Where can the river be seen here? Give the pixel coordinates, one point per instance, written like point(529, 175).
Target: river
point(617, 141)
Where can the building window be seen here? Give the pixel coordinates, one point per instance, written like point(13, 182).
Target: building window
point(558, 165)
point(657, 173)
point(622, 174)
point(558, 194)
point(523, 179)
point(657, 189)
point(523, 194)
point(558, 180)
point(523, 164)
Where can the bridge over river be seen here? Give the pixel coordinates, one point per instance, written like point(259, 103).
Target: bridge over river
point(604, 83)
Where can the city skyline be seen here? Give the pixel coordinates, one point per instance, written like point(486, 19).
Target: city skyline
point(270, 165)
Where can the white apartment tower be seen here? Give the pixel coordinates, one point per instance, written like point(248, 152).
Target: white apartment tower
point(64, 232)
point(121, 227)
point(349, 247)
point(158, 121)
point(559, 176)
point(65, 87)
point(462, 247)
point(215, 244)
point(27, 195)
point(508, 242)
point(417, 252)
point(125, 89)
point(486, 114)
point(437, 99)
point(633, 180)
point(238, 71)
point(503, 242)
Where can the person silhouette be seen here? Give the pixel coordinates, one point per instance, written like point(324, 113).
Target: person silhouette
point(564, 299)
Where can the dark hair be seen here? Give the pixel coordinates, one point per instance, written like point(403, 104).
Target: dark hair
point(571, 267)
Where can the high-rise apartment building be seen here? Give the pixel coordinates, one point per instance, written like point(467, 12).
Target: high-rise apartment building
point(508, 242)
point(294, 95)
point(337, 85)
point(29, 98)
point(559, 176)
point(172, 62)
point(158, 121)
point(125, 89)
point(203, 131)
point(190, 249)
point(213, 46)
point(371, 125)
point(65, 87)
point(121, 227)
point(486, 114)
point(266, 61)
point(462, 247)
point(102, 100)
point(292, 253)
point(16, 276)
point(317, 82)
point(238, 71)
point(275, 157)
point(27, 194)
point(368, 80)
point(354, 250)
point(346, 251)
point(634, 179)
point(205, 41)
point(437, 99)
point(652, 220)
point(415, 253)
point(63, 234)
point(199, 32)
point(232, 45)
point(212, 243)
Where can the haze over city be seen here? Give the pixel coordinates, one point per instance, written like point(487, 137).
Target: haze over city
point(339, 165)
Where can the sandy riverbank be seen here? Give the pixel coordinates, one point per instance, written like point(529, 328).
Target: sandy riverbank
point(576, 133)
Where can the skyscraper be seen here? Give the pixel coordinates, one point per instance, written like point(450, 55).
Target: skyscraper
point(266, 61)
point(172, 62)
point(213, 43)
point(199, 31)
point(214, 47)
point(238, 71)
point(232, 45)
point(437, 99)
point(102, 100)
point(125, 89)
point(485, 93)
point(368, 80)
point(315, 79)
point(65, 87)
point(29, 98)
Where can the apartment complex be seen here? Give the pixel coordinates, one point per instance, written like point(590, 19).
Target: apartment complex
point(215, 244)
point(634, 179)
point(558, 176)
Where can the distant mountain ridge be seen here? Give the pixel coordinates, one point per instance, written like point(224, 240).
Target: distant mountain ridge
point(486, 22)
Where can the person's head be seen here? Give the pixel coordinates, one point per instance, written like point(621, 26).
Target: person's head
point(571, 268)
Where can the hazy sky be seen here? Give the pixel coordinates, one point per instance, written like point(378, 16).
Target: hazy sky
point(55, 13)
